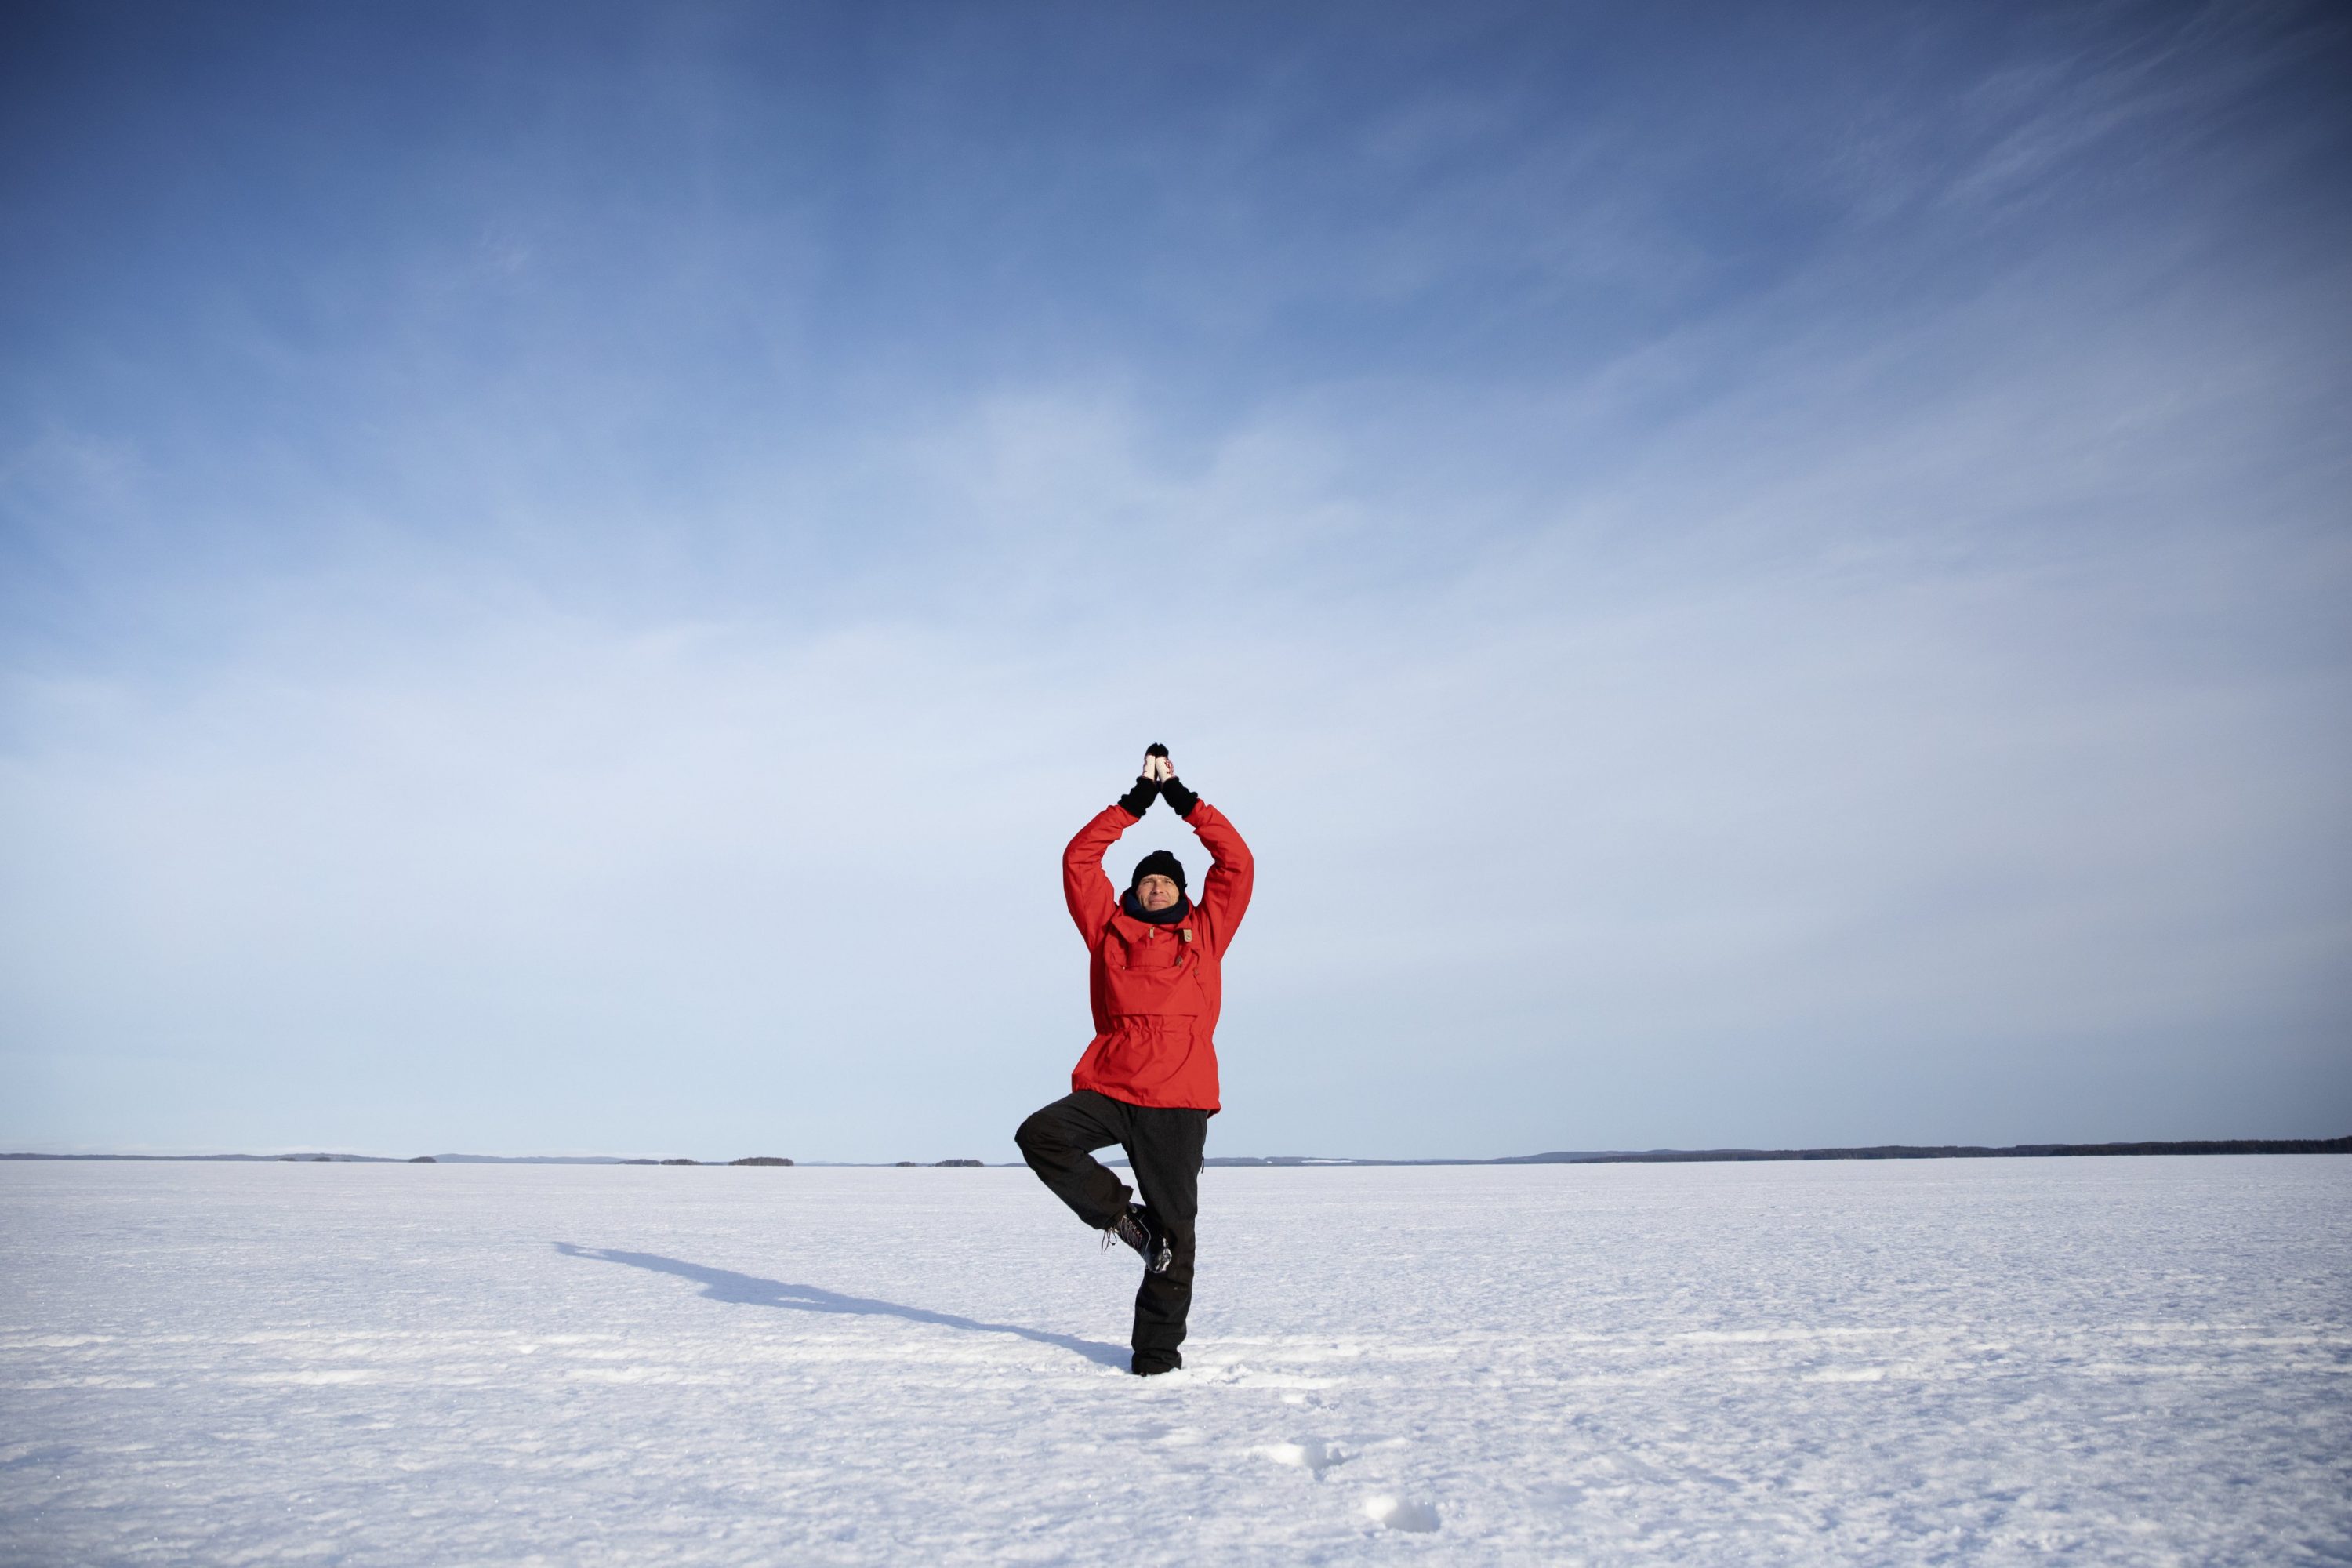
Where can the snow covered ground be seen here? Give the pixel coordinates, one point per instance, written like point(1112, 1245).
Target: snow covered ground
point(2108, 1361)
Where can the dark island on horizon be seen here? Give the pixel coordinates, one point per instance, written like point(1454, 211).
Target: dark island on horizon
point(1555, 1157)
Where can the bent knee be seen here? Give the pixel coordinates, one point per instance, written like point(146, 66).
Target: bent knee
point(1034, 1134)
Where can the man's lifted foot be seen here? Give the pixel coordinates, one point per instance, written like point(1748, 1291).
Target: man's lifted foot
point(1136, 1229)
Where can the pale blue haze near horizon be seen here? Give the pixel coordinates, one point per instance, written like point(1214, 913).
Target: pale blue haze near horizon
point(1760, 575)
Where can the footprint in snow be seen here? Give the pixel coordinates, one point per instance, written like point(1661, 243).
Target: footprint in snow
point(1310, 1454)
point(1391, 1514)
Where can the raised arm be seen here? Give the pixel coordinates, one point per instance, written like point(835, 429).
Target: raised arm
point(1086, 886)
point(1225, 896)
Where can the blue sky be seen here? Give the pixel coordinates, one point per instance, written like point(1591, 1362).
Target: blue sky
point(1755, 575)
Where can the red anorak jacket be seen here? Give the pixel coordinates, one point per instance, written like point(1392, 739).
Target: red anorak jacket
point(1155, 988)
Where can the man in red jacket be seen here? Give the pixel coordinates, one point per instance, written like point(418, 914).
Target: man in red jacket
point(1148, 1082)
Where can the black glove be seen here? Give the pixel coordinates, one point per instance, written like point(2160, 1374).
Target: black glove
point(1138, 801)
point(1184, 800)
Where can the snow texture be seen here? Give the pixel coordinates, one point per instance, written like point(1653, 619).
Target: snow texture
point(2122, 1360)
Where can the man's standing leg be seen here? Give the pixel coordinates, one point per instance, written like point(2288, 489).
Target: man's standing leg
point(1163, 1147)
point(1059, 1142)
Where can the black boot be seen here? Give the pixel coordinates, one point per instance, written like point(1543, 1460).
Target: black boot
point(1136, 1229)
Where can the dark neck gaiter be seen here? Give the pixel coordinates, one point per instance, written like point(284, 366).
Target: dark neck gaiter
point(1166, 917)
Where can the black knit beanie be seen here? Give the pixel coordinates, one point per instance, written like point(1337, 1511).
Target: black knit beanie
point(1159, 863)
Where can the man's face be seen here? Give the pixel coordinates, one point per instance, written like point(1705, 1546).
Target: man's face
point(1156, 892)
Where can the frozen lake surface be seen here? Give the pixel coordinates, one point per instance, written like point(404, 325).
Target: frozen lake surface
point(2097, 1360)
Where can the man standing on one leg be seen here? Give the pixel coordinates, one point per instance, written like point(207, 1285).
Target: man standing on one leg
point(1148, 1082)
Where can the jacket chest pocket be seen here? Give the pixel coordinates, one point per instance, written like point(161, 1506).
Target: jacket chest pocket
point(1162, 976)
point(1162, 948)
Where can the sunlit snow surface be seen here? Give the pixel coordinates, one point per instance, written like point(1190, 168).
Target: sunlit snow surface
point(2103, 1360)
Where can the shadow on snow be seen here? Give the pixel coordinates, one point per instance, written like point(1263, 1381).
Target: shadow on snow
point(744, 1289)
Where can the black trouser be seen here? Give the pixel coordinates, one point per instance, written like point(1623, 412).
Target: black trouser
point(1163, 1147)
